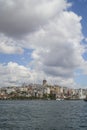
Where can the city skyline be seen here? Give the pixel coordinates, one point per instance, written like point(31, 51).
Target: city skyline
point(43, 40)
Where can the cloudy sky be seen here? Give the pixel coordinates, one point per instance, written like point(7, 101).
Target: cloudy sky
point(43, 39)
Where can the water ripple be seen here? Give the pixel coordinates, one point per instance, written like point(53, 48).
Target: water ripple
point(43, 115)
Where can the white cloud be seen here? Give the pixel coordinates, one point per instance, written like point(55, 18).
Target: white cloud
point(54, 34)
point(9, 46)
point(13, 74)
point(19, 17)
point(84, 67)
point(57, 46)
point(8, 49)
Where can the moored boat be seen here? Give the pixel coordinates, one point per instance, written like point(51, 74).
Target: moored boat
point(85, 99)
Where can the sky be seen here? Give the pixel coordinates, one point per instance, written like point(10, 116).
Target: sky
point(43, 39)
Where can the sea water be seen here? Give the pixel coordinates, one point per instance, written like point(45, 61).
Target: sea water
point(43, 115)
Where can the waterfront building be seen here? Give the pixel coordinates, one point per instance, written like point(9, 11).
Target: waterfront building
point(46, 90)
point(23, 89)
point(10, 90)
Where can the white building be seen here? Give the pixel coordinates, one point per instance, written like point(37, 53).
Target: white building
point(46, 90)
point(81, 95)
point(10, 90)
point(23, 89)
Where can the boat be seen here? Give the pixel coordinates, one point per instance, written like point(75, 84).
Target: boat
point(85, 99)
point(59, 99)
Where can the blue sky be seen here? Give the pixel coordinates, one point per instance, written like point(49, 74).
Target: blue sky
point(24, 58)
point(43, 39)
point(80, 8)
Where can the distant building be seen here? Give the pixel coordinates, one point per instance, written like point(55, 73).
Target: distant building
point(23, 89)
point(44, 82)
point(46, 90)
point(10, 90)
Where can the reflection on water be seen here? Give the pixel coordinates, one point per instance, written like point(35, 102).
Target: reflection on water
point(43, 115)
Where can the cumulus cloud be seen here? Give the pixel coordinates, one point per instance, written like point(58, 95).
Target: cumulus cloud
point(8, 49)
point(54, 34)
point(13, 74)
point(19, 17)
point(83, 67)
point(57, 46)
point(9, 46)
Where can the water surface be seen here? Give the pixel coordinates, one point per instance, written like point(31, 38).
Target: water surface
point(43, 115)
